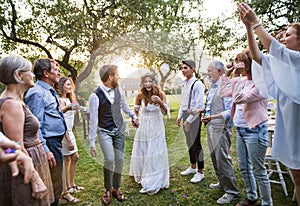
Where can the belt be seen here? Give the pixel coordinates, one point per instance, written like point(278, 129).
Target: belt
point(34, 144)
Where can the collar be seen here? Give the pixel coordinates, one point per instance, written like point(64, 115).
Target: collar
point(44, 85)
point(107, 89)
point(191, 80)
point(216, 84)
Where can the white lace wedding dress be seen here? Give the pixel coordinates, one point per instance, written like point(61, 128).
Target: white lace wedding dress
point(149, 160)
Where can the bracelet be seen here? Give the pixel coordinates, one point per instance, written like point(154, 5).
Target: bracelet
point(256, 25)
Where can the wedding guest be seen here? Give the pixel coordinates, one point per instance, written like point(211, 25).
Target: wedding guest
point(219, 130)
point(149, 160)
point(192, 98)
point(279, 77)
point(20, 125)
point(43, 103)
point(252, 130)
point(68, 105)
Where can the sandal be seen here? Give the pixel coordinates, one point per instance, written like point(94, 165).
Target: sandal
point(71, 189)
point(118, 195)
point(248, 202)
point(75, 188)
point(68, 198)
point(78, 187)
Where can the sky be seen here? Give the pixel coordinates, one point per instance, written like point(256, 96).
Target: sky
point(217, 7)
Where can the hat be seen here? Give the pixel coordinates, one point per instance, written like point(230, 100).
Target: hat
point(190, 63)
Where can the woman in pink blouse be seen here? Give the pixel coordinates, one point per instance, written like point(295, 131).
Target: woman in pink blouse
point(252, 130)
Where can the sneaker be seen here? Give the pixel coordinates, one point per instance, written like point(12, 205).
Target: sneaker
point(226, 198)
point(189, 171)
point(215, 186)
point(197, 178)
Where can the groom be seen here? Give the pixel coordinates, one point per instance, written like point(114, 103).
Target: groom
point(106, 121)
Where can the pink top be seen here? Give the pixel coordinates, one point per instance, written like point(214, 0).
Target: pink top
point(254, 105)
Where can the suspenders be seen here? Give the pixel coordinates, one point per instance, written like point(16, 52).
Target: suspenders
point(190, 97)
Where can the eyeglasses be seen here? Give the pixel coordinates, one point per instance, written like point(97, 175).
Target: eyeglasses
point(185, 67)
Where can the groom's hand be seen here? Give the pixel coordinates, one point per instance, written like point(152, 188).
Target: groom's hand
point(93, 152)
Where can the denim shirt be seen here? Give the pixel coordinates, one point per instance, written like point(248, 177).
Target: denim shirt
point(227, 102)
point(46, 108)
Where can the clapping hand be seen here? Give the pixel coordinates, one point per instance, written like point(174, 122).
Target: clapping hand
point(156, 99)
point(239, 69)
point(229, 69)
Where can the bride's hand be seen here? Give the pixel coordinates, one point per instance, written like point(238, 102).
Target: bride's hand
point(157, 100)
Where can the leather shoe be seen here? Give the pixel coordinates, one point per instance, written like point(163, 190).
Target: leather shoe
point(118, 195)
point(106, 197)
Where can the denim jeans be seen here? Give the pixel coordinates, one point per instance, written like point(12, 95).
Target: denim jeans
point(252, 145)
point(112, 146)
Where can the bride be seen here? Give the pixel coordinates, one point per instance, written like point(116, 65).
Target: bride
point(149, 161)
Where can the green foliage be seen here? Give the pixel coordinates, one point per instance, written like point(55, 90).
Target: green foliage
point(276, 14)
point(85, 88)
point(217, 38)
point(85, 31)
point(2, 87)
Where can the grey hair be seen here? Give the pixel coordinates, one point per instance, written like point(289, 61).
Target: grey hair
point(216, 64)
point(148, 75)
point(9, 66)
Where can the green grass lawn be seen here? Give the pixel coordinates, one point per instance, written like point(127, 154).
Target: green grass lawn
point(89, 174)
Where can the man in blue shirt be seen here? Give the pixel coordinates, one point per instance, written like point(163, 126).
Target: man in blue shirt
point(43, 103)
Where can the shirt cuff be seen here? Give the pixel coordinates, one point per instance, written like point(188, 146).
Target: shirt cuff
point(92, 142)
point(46, 148)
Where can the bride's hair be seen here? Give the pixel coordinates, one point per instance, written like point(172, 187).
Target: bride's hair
point(146, 95)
